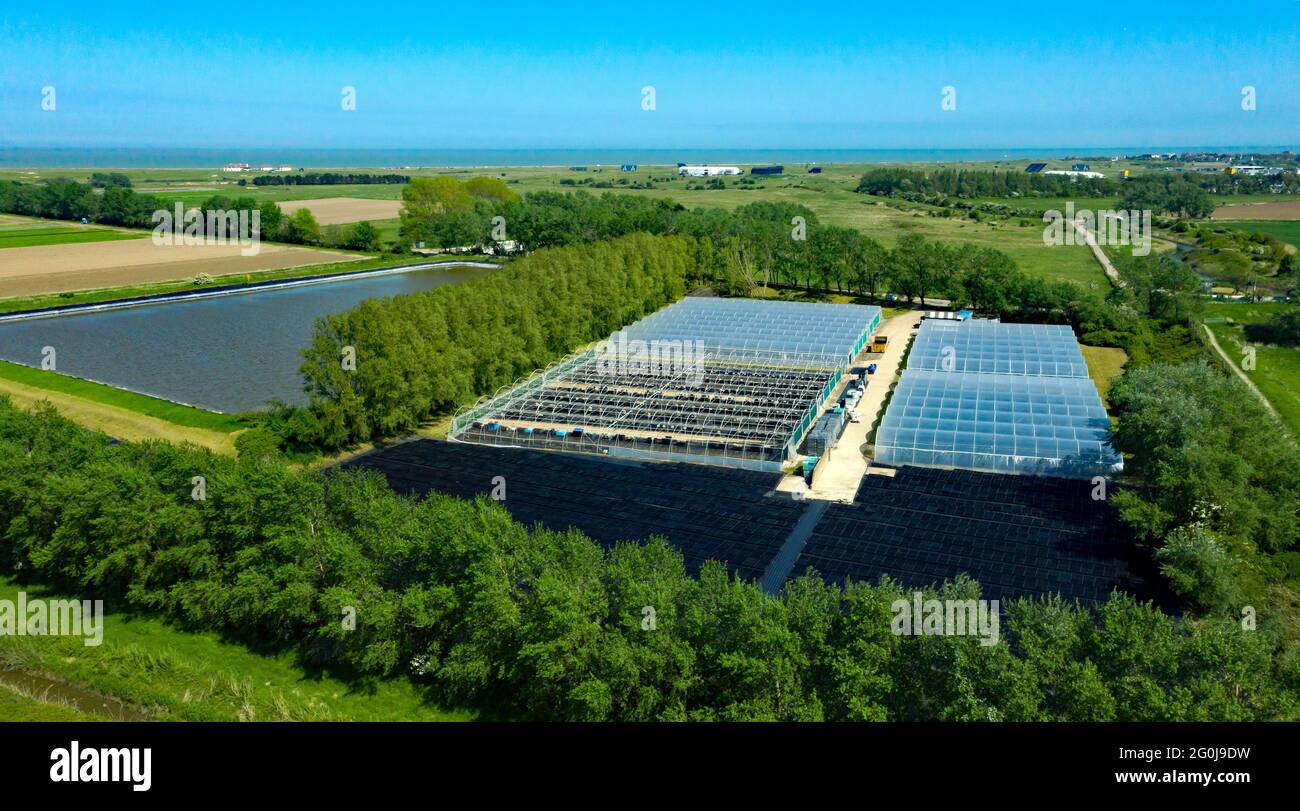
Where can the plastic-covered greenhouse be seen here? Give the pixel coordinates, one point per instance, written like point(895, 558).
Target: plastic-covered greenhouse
point(828, 332)
point(991, 346)
point(744, 394)
point(1007, 398)
point(1001, 423)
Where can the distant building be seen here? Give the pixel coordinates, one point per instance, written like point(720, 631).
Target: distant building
point(286, 168)
point(814, 170)
point(1072, 173)
point(1079, 167)
point(627, 167)
point(235, 167)
point(709, 171)
point(767, 170)
point(1034, 168)
point(1254, 169)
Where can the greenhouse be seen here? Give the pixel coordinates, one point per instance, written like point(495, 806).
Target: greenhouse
point(734, 382)
point(991, 346)
point(764, 329)
point(999, 423)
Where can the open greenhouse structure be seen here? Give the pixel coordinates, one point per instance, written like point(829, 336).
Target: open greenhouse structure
point(733, 382)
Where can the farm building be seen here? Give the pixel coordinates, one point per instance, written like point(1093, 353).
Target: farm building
point(709, 171)
point(767, 170)
point(731, 382)
point(1003, 398)
point(1072, 173)
point(627, 167)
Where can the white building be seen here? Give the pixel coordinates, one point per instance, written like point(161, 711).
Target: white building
point(235, 167)
point(709, 171)
point(1072, 173)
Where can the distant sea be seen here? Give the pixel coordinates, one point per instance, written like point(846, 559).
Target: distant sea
point(164, 157)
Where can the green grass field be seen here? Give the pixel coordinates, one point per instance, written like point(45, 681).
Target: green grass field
point(1277, 368)
point(830, 194)
point(31, 237)
point(1104, 365)
point(1285, 230)
point(170, 674)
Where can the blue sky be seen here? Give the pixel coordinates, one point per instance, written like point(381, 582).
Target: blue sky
point(513, 75)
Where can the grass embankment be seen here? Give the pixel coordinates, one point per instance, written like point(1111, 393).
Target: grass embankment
point(170, 674)
point(117, 413)
point(17, 704)
point(1277, 368)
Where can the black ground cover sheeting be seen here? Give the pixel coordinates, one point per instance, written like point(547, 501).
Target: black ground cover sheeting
point(1016, 535)
point(706, 512)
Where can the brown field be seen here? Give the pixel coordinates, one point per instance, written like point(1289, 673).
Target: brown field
point(338, 210)
point(1280, 210)
point(95, 265)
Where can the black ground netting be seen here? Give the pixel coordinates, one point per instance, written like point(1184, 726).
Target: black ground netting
point(705, 512)
point(1016, 535)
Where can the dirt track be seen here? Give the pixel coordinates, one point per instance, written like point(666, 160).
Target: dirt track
point(338, 210)
point(95, 265)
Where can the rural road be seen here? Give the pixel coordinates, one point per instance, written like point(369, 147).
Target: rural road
point(1102, 258)
point(1214, 342)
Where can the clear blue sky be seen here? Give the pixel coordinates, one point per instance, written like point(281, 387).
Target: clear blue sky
point(557, 74)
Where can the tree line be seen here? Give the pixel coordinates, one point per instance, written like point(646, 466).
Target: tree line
point(120, 205)
point(423, 354)
point(532, 624)
point(1170, 193)
point(966, 183)
point(330, 179)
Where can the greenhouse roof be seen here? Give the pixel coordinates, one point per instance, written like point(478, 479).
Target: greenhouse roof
point(990, 346)
point(997, 422)
point(731, 326)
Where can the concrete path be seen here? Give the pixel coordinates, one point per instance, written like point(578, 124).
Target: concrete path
point(838, 477)
point(779, 569)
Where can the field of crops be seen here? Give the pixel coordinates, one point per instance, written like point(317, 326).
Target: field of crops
point(22, 237)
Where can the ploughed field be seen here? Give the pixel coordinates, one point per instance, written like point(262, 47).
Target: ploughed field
point(41, 269)
point(339, 210)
